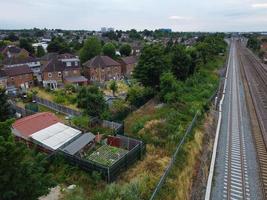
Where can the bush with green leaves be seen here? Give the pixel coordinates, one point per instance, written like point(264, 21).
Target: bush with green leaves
point(138, 95)
point(119, 110)
point(91, 99)
point(81, 121)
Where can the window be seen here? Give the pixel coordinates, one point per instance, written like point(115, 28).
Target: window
point(59, 74)
point(50, 75)
point(68, 64)
point(76, 63)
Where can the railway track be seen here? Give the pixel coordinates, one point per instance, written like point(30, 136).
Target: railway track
point(236, 185)
point(255, 76)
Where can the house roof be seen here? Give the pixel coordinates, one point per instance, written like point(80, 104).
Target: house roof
point(55, 135)
point(66, 56)
point(49, 56)
point(79, 143)
point(33, 123)
point(14, 49)
point(18, 70)
point(129, 60)
point(2, 73)
point(101, 61)
point(55, 65)
point(76, 79)
point(13, 61)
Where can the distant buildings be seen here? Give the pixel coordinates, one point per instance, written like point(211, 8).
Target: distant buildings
point(106, 29)
point(166, 30)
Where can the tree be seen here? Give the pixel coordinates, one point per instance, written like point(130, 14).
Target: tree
point(91, 99)
point(114, 87)
point(12, 37)
point(22, 171)
point(91, 48)
point(40, 51)
point(204, 51)
point(133, 34)
point(138, 95)
point(109, 50)
point(58, 45)
point(152, 63)
point(253, 43)
point(180, 62)
point(5, 110)
point(168, 88)
point(125, 50)
point(25, 43)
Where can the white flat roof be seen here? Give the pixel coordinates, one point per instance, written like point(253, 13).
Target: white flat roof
point(55, 135)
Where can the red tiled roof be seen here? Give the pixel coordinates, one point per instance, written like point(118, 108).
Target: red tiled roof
point(129, 60)
point(18, 70)
point(33, 123)
point(101, 61)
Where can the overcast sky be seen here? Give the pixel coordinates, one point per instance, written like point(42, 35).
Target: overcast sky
point(180, 15)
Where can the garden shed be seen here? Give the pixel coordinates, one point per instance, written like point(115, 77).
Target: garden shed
point(84, 140)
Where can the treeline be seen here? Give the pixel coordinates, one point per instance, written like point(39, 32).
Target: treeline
point(177, 59)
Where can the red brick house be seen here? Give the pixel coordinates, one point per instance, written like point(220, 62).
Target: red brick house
point(127, 65)
point(264, 46)
point(64, 68)
point(19, 76)
point(101, 69)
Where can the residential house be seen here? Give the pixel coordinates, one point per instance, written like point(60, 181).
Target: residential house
point(14, 52)
point(64, 68)
point(127, 65)
point(101, 69)
point(33, 63)
point(3, 79)
point(19, 76)
point(264, 46)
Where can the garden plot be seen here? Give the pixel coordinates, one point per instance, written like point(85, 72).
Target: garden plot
point(106, 155)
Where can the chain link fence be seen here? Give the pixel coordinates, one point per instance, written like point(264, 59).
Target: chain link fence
point(57, 107)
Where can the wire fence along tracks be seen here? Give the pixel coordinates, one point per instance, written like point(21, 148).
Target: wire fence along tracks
point(255, 76)
point(169, 167)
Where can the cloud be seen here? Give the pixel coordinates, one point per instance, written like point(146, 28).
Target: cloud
point(175, 17)
point(259, 5)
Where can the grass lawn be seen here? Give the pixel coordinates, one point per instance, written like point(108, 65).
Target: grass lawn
point(122, 88)
point(58, 96)
point(106, 155)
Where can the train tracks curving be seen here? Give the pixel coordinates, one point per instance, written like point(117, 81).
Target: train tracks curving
point(255, 76)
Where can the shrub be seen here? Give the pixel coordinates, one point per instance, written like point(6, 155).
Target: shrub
point(119, 110)
point(138, 95)
point(81, 121)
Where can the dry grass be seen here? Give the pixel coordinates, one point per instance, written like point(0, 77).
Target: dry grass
point(122, 88)
point(147, 109)
point(50, 96)
point(153, 164)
